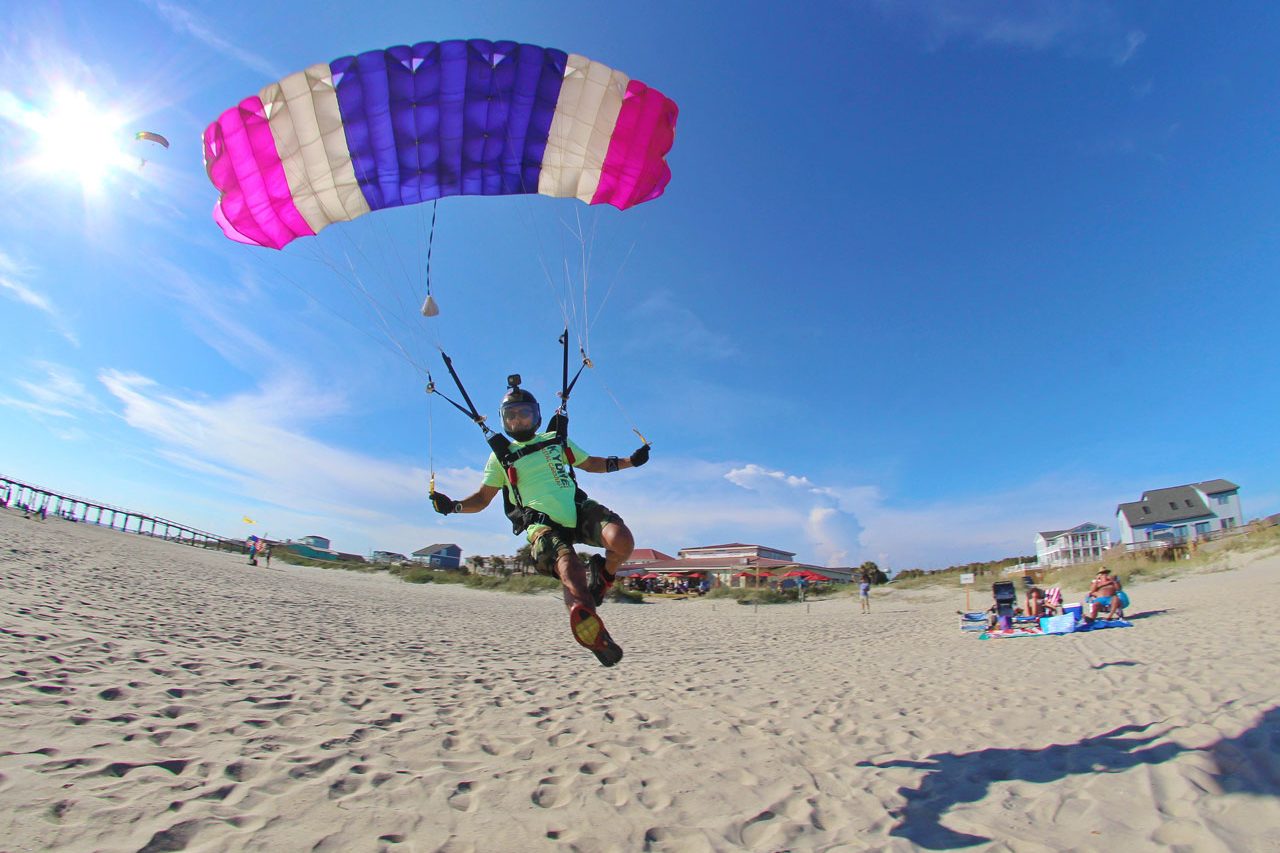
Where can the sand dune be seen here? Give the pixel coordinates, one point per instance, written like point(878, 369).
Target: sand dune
point(160, 697)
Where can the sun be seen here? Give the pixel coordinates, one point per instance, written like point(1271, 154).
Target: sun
point(76, 140)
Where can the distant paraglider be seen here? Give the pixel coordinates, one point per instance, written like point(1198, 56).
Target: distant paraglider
point(148, 136)
point(151, 137)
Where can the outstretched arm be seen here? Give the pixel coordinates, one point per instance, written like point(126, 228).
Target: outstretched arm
point(602, 465)
point(475, 502)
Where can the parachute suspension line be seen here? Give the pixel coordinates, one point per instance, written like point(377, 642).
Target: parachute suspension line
point(386, 344)
point(354, 282)
point(382, 318)
point(616, 277)
point(429, 307)
point(625, 416)
point(431, 442)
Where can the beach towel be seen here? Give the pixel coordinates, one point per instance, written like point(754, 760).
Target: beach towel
point(1014, 632)
point(1099, 624)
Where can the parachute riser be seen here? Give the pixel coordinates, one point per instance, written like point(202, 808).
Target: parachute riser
point(470, 410)
point(566, 386)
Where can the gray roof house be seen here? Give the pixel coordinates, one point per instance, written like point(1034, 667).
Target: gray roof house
point(443, 556)
point(1180, 513)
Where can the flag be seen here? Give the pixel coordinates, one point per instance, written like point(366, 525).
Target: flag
point(248, 520)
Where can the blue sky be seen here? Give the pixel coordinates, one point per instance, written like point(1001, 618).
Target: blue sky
point(929, 277)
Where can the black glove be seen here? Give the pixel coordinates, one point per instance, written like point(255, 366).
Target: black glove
point(640, 457)
point(444, 504)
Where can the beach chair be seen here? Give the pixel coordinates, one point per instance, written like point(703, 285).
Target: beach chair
point(1006, 596)
point(1053, 597)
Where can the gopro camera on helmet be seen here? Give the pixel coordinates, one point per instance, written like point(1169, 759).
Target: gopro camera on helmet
point(521, 416)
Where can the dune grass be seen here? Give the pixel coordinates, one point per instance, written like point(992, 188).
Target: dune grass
point(1217, 555)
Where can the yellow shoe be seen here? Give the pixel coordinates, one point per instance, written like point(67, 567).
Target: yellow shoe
point(590, 633)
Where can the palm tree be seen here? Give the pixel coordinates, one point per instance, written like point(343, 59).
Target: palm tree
point(524, 559)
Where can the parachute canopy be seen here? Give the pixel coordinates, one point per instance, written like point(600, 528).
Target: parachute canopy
point(412, 124)
point(151, 137)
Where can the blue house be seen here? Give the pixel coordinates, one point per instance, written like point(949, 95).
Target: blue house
point(447, 556)
point(1180, 513)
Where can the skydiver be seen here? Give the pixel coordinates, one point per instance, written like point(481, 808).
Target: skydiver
point(545, 503)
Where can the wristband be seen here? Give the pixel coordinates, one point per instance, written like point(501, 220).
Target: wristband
point(457, 506)
point(611, 464)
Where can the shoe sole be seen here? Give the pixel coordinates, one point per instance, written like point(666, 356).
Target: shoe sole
point(591, 634)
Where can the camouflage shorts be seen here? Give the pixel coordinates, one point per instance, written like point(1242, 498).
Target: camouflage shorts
point(551, 543)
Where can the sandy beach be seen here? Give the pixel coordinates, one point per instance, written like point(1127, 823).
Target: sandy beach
point(160, 697)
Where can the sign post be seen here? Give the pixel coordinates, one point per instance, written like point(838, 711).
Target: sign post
point(966, 580)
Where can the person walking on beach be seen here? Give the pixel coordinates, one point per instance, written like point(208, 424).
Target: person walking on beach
point(545, 503)
point(864, 592)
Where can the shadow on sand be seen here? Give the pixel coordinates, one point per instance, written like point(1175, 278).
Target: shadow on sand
point(1246, 764)
point(1146, 614)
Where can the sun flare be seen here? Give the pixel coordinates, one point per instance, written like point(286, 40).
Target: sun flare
point(76, 140)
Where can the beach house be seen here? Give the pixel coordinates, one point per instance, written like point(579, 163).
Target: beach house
point(731, 564)
point(441, 556)
point(1180, 513)
point(1083, 543)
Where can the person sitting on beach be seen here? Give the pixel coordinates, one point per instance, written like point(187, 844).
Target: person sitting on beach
point(1036, 602)
point(1103, 592)
point(554, 514)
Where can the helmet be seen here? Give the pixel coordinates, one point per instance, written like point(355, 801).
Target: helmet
point(521, 416)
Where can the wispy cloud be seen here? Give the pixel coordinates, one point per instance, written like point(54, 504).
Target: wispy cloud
point(53, 391)
point(680, 503)
point(1090, 28)
point(256, 451)
point(676, 327)
point(186, 22)
point(15, 284)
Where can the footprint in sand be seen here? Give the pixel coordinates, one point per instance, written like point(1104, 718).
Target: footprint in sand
point(763, 829)
point(654, 795)
point(344, 787)
point(462, 799)
point(552, 793)
point(613, 790)
point(684, 839)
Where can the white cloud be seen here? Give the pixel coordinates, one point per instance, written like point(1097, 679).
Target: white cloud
point(186, 22)
point(15, 284)
point(672, 504)
point(54, 391)
point(678, 328)
point(1089, 28)
point(256, 440)
point(253, 451)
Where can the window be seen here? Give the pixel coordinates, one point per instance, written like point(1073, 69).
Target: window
point(1187, 501)
point(1223, 500)
point(1146, 509)
point(1172, 505)
point(1202, 528)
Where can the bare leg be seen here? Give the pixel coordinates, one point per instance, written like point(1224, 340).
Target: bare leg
point(618, 545)
point(573, 577)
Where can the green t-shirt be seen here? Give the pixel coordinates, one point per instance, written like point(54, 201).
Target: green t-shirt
point(543, 479)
